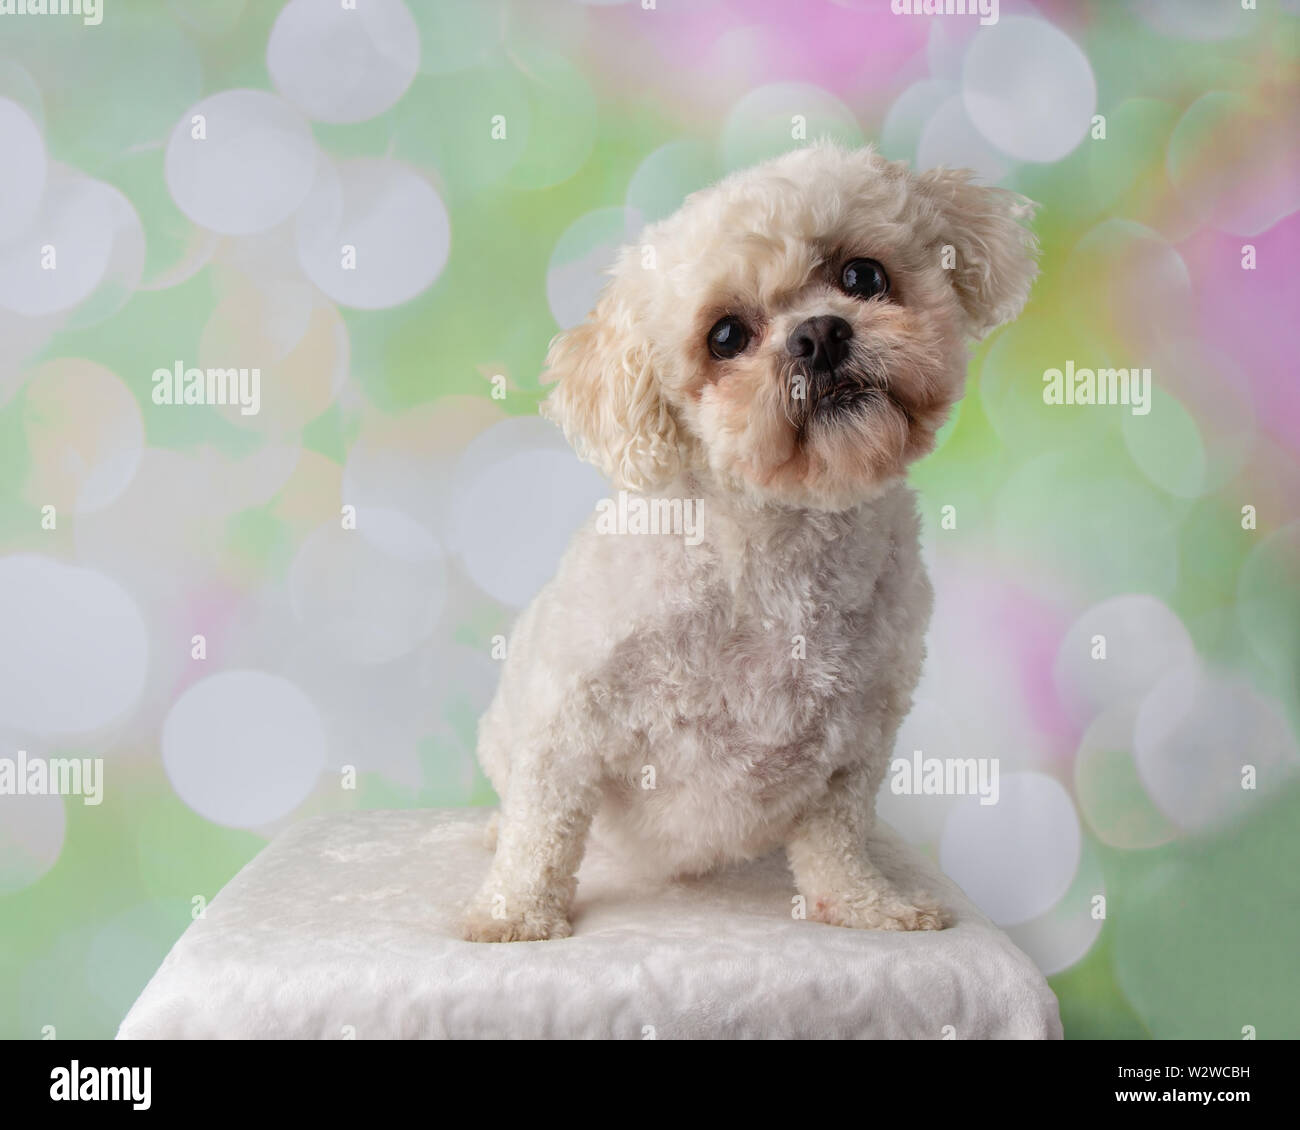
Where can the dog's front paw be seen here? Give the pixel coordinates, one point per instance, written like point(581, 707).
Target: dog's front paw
point(874, 911)
point(497, 921)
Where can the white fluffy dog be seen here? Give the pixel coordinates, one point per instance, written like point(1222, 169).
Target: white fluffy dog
point(780, 349)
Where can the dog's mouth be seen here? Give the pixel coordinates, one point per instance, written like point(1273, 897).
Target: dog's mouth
point(829, 397)
point(845, 395)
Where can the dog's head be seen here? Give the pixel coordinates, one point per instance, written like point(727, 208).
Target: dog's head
point(798, 331)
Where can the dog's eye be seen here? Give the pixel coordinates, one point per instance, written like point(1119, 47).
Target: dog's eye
point(864, 278)
point(728, 337)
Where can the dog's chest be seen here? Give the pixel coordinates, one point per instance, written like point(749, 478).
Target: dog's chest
point(743, 686)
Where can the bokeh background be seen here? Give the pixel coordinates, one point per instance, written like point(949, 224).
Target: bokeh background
point(485, 157)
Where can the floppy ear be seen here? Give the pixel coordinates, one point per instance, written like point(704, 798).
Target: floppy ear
point(996, 251)
point(609, 401)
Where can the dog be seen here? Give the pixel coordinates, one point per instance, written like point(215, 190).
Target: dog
point(778, 351)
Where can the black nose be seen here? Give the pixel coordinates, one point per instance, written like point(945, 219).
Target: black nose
point(824, 340)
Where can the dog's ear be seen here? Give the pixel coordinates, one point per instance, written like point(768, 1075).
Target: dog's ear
point(608, 400)
point(996, 252)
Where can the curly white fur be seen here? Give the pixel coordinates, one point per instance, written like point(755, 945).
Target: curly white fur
point(698, 704)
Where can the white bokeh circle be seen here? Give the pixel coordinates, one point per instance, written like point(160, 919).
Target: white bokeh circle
point(949, 138)
point(254, 165)
point(1029, 89)
point(74, 650)
point(390, 217)
point(243, 748)
point(85, 235)
point(1196, 732)
point(512, 518)
point(908, 115)
point(370, 594)
point(1142, 639)
point(340, 63)
point(1015, 858)
point(24, 180)
point(1062, 937)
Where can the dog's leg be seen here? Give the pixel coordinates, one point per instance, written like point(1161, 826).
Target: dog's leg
point(828, 855)
point(541, 835)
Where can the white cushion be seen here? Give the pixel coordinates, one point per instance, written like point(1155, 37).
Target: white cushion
point(348, 925)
